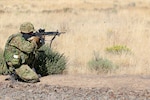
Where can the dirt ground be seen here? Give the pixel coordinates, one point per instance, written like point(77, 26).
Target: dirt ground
point(78, 87)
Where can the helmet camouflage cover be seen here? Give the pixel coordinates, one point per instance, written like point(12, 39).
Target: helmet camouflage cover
point(26, 27)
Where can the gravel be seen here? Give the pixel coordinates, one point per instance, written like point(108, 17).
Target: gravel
point(29, 91)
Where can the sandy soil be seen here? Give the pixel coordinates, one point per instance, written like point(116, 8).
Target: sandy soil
point(92, 81)
point(115, 82)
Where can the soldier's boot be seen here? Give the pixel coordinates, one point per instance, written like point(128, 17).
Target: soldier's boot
point(12, 78)
point(12, 75)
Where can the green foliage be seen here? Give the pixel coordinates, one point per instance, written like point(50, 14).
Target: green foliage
point(101, 65)
point(118, 49)
point(49, 61)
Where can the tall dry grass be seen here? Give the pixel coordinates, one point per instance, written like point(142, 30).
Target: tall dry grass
point(91, 26)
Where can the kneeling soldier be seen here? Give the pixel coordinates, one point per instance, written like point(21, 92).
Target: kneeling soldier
point(19, 54)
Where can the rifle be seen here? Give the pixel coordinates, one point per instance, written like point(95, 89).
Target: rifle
point(41, 34)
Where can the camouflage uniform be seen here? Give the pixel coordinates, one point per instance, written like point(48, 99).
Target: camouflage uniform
point(20, 53)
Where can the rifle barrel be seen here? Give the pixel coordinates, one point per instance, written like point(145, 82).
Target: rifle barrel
point(53, 33)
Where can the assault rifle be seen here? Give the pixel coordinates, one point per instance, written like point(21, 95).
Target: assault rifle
point(41, 34)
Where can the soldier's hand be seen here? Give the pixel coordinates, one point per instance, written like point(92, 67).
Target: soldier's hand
point(35, 39)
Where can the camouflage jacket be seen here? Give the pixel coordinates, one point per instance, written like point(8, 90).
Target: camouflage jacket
point(18, 50)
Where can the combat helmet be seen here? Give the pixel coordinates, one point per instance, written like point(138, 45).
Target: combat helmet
point(26, 27)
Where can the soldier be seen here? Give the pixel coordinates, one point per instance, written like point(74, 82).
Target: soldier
point(19, 54)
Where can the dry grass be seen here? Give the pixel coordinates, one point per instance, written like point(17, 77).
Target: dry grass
point(90, 25)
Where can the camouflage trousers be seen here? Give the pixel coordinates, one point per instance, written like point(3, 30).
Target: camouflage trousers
point(26, 74)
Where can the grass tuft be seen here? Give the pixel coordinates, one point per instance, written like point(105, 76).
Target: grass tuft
point(101, 65)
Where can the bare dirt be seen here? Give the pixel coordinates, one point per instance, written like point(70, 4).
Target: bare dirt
point(78, 87)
